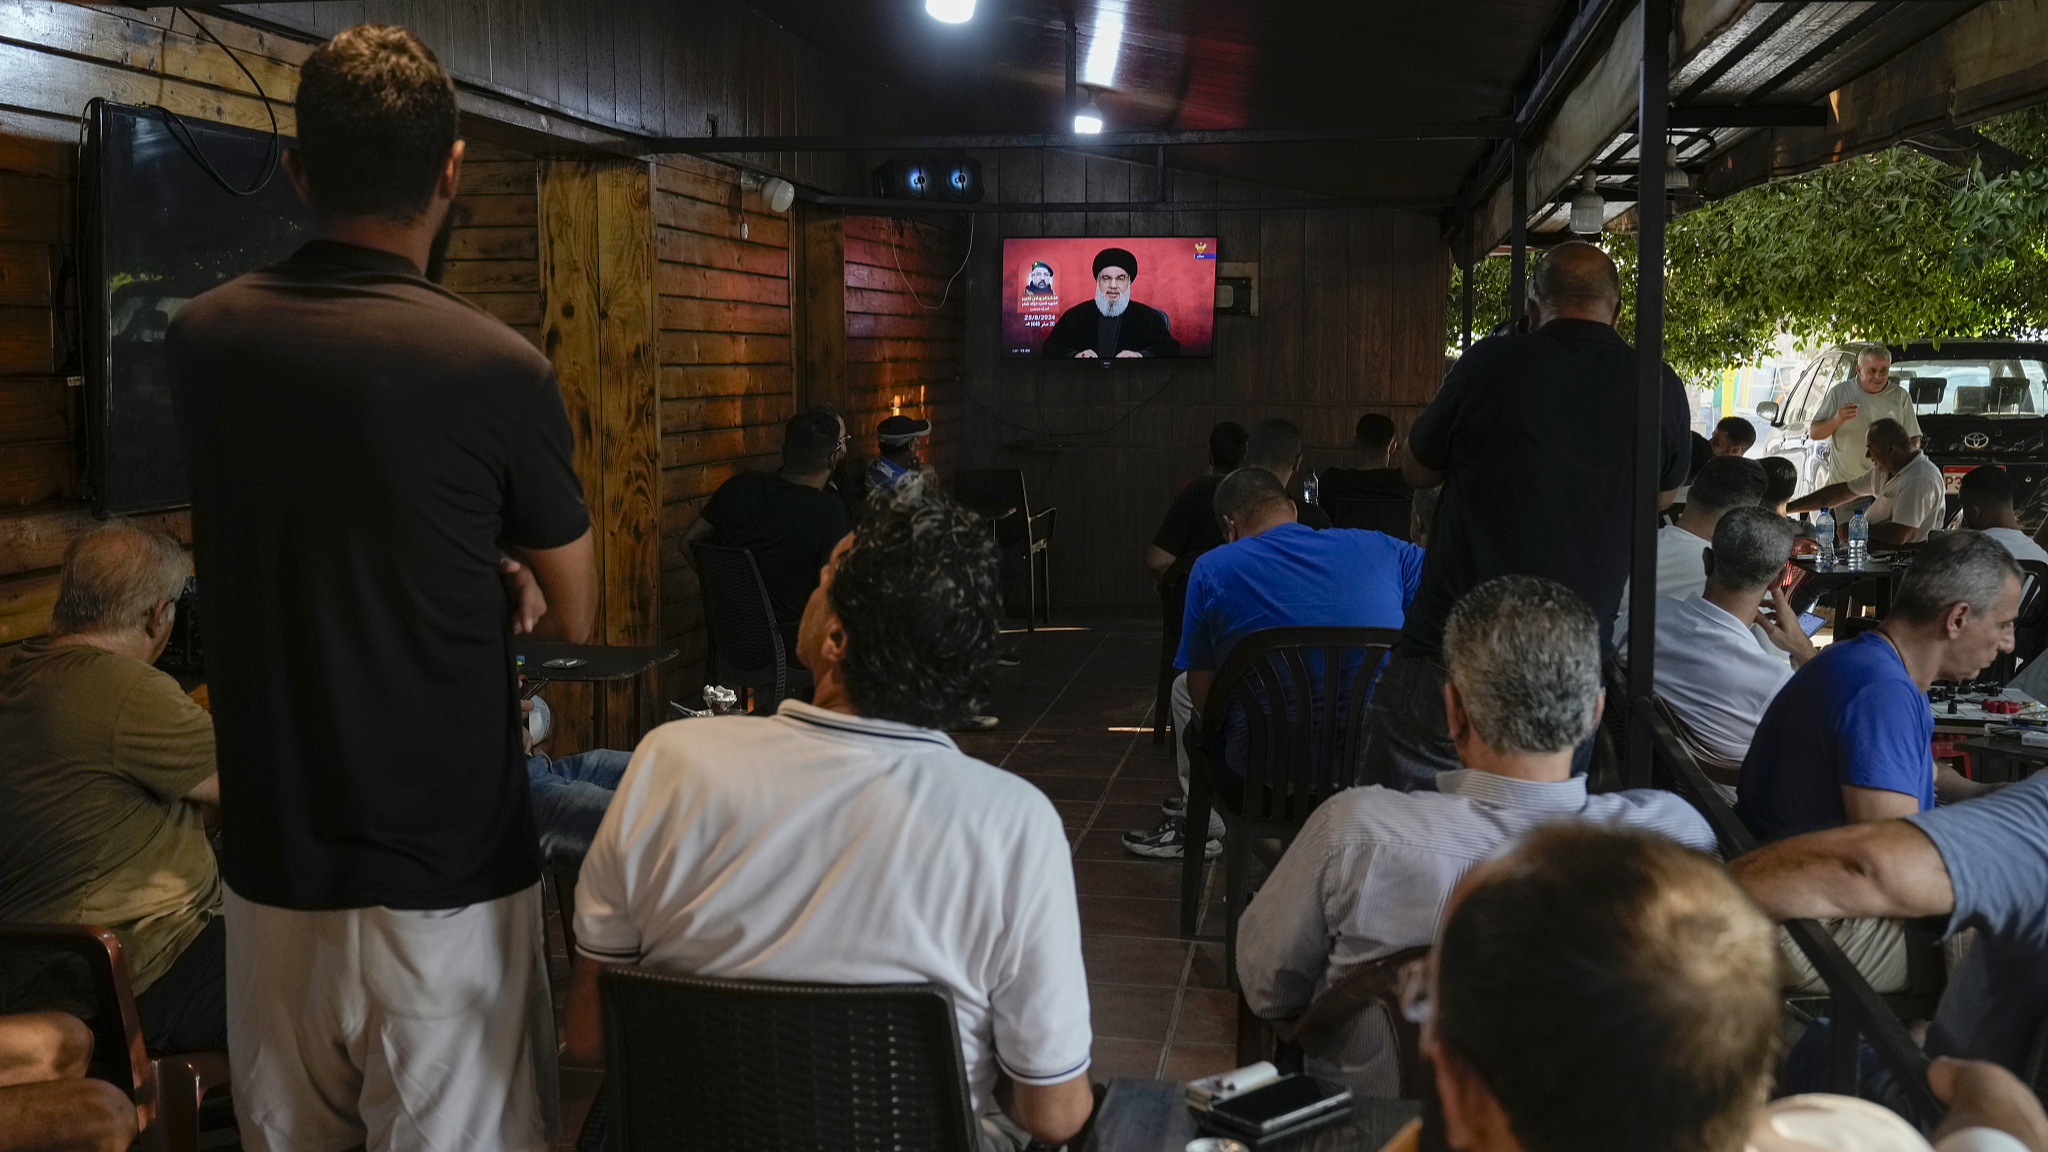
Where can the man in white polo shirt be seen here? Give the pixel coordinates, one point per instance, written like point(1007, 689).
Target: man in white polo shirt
point(849, 841)
point(1709, 668)
point(1854, 405)
point(1987, 494)
point(1909, 490)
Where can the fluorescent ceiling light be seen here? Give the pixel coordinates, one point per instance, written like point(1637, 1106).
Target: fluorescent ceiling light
point(1088, 121)
point(1105, 45)
point(1589, 210)
point(950, 11)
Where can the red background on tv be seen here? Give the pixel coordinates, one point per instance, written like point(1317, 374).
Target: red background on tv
point(1170, 279)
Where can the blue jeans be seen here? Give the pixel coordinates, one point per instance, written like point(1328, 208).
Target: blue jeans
point(569, 799)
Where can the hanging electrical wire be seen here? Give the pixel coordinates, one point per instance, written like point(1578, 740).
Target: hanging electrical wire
point(898, 256)
point(182, 132)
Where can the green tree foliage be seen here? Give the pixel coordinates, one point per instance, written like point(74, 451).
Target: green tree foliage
point(1893, 246)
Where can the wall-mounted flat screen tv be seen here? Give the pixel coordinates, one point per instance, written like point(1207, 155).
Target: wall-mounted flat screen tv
point(157, 230)
point(1067, 298)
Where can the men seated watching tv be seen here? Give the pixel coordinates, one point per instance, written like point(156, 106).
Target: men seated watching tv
point(1725, 482)
point(107, 783)
point(1601, 991)
point(1733, 436)
point(1908, 489)
point(1351, 496)
point(47, 1102)
point(1372, 867)
point(1190, 525)
point(1987, 495)
point(1275, 445)
point(786, 518)
point(1980, 865)
point(849, 841)
point(1274, 572)
point(1709, 669)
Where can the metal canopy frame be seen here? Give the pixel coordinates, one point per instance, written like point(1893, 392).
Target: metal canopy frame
point(1492, 128)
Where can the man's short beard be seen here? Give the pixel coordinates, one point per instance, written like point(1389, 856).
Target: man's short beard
point(1108, 309)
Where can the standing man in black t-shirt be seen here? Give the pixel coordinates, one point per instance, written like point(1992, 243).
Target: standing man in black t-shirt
point(1190, 526)
point(370, 457)
point(1530, 436)
point(787, 519)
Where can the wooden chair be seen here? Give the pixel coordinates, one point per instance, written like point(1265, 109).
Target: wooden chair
point(753, 1065)
point(86, 969)
point(1304, 741)
point(1025, 537)
point(1374, 986)
point(747, 653)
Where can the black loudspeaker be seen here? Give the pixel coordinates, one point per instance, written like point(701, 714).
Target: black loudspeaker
point(954, 180)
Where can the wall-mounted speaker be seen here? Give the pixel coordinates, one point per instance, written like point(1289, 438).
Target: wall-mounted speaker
point(911, 179)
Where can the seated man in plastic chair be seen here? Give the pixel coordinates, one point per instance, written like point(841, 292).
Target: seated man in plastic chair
point(1272, 572)
point(1372, 867)
point(850, 841)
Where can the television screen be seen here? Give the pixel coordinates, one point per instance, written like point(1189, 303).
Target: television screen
point(1152, 296)
point(159, 230)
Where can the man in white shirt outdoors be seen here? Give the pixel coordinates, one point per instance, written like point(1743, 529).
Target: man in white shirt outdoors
point(1909, 490)
point(1987, 494)
point(849, 841)
point(1371, 869)
point(1724, 483)
point(1853, 405)
point(1709, 669)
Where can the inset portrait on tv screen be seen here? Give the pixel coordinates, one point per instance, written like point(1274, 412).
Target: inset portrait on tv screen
point(1071, 298)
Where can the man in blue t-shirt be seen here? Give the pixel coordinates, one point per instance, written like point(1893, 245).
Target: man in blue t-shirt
point(1272, 572)
point(1983, 865)
point(1848, 739)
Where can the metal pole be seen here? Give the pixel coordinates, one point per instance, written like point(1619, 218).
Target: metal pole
point(1073, 68)
point(1518, 278)
point(1651, 124)
point(1470, 290)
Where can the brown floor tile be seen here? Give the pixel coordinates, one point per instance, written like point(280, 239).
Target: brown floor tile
point(1186, 1062)
point(1155, 879)
point(1052, 762)
point(1124, 1059)
point(1075, 814)
point(1121, 816)
point(1129, 916)
point(1207, 1016)
point(1141, 782)
point(1134, 960)
point(1102, 843)
point(1088, 788)
point(1130, 1012)
point(1206, 969)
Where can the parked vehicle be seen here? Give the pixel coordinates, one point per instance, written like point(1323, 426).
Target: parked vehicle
point(1978, 402)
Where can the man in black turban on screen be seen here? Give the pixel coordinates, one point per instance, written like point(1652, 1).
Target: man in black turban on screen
point(1112, 324)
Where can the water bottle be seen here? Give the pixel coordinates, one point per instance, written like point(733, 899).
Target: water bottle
point(1859, 540)
point(1824, 534)
point(1312, 488)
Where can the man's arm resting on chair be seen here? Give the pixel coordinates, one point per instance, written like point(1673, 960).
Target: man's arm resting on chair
point(1888, 869)
point(1052, 1113)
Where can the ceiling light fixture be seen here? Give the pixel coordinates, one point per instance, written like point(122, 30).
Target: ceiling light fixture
point(1675, 179)
point(1589, 210)
point(1105, 45)
point(1088, 121)
point(950, 11)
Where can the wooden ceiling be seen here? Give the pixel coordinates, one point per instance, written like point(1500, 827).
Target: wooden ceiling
point(1210, 64)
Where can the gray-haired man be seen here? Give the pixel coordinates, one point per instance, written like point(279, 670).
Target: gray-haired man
point(1372, 868)
point(108, 781)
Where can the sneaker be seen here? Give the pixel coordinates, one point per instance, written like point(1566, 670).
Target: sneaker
point(1164, 842)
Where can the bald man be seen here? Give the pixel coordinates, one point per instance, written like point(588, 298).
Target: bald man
point(1111, 326)
point(1910, 493)
point(1531, 438)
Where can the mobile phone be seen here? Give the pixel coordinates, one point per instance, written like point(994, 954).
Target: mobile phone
point(1285, 1103)
point(1810, 623)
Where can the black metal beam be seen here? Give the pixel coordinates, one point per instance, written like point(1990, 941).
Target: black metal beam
point(1518, 290)
point(1488, 129)
point(1654, 106)
point(1751, 116)
point(898, 207)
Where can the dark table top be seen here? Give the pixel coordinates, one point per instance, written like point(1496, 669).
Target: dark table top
point(1153, 1116)
point(592, 661)
point(2004, 746)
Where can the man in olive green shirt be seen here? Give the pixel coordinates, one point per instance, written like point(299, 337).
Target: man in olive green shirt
point(107, 783)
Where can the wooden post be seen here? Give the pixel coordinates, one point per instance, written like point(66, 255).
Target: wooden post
point(599, 328)
point(817, 298)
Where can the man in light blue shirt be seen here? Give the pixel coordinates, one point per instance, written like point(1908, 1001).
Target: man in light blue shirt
point(1371, 870)
point(1272, 572)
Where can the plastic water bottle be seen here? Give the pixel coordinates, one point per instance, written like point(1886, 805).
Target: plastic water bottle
point(1859, 540)
point(1312, 488)
point(1824, 534)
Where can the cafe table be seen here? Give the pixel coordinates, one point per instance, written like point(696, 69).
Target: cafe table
point(1153, 1116)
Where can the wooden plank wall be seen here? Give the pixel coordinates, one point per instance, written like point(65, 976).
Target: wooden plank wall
point(905, 329)
point(1351, 321)
point(494, 253)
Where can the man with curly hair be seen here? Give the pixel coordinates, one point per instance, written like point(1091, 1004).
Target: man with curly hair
point(849, 841)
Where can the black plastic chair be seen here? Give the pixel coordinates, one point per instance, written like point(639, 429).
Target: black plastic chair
point(1024, 536)
point(81, 969)
point(747, 653)
point(1305, 742)
point(2030, 629)
point(1173, 604)
point(741, 1065)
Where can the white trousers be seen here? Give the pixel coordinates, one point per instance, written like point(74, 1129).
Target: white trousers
point(399, 1031)
point(1183, 715)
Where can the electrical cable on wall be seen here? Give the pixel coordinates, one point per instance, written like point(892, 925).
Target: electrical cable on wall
point(898, 257)
point(182, 132)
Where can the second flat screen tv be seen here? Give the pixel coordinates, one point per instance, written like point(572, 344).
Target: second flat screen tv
point(1063, 298)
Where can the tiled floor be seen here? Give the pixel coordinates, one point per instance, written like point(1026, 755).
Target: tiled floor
point(1075, 718)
